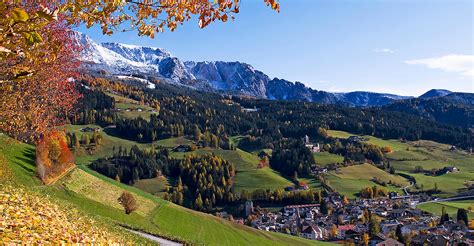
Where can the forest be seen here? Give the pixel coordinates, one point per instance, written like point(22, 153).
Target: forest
point(213, 118)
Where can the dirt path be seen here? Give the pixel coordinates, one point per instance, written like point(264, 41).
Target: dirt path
point(159, 240)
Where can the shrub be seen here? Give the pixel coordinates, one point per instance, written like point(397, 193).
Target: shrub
point(128, 202)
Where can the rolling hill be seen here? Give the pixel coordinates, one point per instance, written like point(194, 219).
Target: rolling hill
point(84, 189)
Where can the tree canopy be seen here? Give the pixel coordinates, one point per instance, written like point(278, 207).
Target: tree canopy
point(38, 52)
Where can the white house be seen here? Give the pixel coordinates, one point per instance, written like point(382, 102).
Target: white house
point(312, 232)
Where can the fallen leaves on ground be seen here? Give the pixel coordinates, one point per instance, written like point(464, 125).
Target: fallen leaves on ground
point(30, 219)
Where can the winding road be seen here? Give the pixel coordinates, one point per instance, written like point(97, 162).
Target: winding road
point(159, 240)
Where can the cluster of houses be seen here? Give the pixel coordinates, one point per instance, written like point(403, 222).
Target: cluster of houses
point(133, 109)
point(345, 222)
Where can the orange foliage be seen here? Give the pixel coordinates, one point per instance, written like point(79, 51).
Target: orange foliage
point(39, 100)
point(387, 149)
point(53, 157)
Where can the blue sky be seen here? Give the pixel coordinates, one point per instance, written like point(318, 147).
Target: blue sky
point(397, 46)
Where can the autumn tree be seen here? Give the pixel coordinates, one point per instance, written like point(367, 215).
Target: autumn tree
point(53, 157)
point(36, 85)
point(37, 49)
point(365, 239)
point(128, 202)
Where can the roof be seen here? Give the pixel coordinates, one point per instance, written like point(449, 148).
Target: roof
point(390, 242)
point(302, 206)
point(346, 227)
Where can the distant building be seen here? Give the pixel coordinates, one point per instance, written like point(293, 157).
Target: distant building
point(248, 110)
point(248, 207)
point(390, 242)
point(182, 148)
point(306, 139)
point(90, 129)
point(356, 139)
point(312, 232)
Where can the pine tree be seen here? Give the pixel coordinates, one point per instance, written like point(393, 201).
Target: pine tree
point(374, 226)
point(462, 216)
point(198, 203)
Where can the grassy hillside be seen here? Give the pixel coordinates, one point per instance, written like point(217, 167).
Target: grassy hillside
point(94, 195)
point(248, 176)
point(105, 149)
point(39, 209)
point(351, 180)
point(124, 103)
point(428, 155)
point(155, 186)
point(394, 144)
point(326, 158)
point(451, 207)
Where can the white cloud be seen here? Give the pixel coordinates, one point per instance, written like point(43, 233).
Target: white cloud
point(462, 64)
point(383, 50)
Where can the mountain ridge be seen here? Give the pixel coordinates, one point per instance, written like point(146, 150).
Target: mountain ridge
point(235, 78)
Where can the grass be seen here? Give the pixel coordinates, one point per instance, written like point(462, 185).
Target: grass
point(311, 182)
point(351, 180)
point(124, 103)
point(368, 171)
point(248, 177)
point(105, 149)
point(449, 184)
point(429, 155)
point(450, 207)
point(155, 186)
point(173, 142)
point(91, 194)
point(91, 187)
point(394, 144)
point(326, 158)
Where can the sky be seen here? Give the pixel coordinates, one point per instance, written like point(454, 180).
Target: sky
point(402, 47)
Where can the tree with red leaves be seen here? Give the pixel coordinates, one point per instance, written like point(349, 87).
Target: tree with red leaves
point(53, 157)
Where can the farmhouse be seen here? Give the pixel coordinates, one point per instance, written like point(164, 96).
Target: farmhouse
point(89, 129)
point(182, 148)
point(390, 242)
point(312, 232)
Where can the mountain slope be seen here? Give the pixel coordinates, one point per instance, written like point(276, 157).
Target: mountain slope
point(454, 109)
point(167, 220)
point(435, 93)
point(236, 78)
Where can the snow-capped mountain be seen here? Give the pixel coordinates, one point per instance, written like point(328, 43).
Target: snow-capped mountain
point(228, 77)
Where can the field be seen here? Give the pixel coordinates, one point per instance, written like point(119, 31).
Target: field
point(248, 177)
point(326, 158)
point(155, 186)
point(123, 103)
point(173, 142)
point(451, 207)
point(394, 144)
point(105, 149)
point(429, 155)
point(91, 187)
point(351, 180)
point(167, 220)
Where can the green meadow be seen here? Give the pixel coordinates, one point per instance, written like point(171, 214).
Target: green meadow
point(93, 195)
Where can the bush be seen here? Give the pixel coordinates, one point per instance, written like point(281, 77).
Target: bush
point(128, 202)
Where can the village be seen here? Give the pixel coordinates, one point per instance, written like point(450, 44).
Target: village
point(392, 220)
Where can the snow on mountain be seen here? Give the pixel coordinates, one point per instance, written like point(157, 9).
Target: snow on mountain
point(228, 77)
